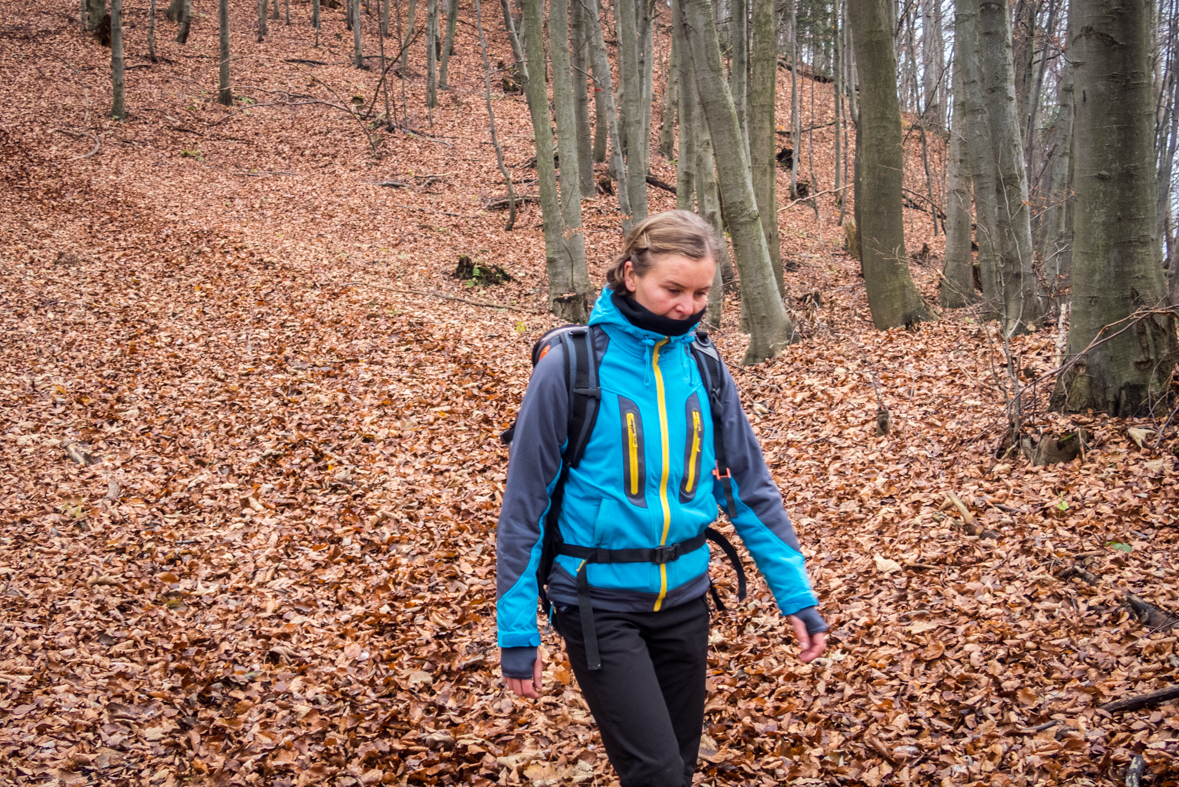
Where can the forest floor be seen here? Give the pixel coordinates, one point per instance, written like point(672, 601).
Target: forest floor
point(250, 467)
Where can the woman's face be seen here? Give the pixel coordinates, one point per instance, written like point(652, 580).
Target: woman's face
point(676, 286)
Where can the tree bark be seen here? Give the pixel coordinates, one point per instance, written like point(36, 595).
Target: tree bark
point(499, 153)
point(933, 46)
point(956, 288)
point(605, 84)
point(431, 53)
point(1021, 307)
point(1117, 266)
point(224, 93)
point(566, 302)
point(185, 22)
point(315, 20)
point(1058, 214)
point(762, 123)
point(670, 100)
point(631, 118)
point(261, 21)
point(151, 33)
point(357, 42)
point(769, 324)
point(892, 297)
point(408, 37)
point(118, 80)
point(689, 122)
point(448, 43)
point(579, 71)
point(739, 72)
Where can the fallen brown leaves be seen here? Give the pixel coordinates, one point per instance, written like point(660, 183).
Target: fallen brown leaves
point(247, 502)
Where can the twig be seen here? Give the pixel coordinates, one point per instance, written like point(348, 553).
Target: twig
point(433, 210)
point(810, 197)
point(659, 184)
point(1141, 700)
point(92, 136)
point(443, 296)
point(392, 184)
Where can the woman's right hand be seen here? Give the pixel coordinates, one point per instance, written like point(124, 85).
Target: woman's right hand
point(529, 687)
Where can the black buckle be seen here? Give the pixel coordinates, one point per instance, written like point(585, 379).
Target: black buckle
point(593, 393)
point(665, 554)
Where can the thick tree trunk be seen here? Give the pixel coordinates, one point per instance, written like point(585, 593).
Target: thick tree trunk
point(708, 204)
point(579, 71)
point(261, 21)
point(762, 123)
point(566, 302)
point(1117, 269)
point(185, 22)
point(956, 288)
point(769, 324)
point(606, 85)
point(118, 80)
point(172, 14)
point(1058, 215)
point(739, 73)
point(892, 297)
point(224, 93)
point(1021, 305)
point(357, 42)
point(631, 119)
point(573, 237)
point(688, 111)
point(982, 156)
point(670, 100)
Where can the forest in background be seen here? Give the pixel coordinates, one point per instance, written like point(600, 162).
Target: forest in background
point(251, 462)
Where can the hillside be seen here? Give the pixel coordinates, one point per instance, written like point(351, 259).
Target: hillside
point(250, 467)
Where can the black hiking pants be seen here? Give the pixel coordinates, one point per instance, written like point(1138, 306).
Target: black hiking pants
point(648, 697)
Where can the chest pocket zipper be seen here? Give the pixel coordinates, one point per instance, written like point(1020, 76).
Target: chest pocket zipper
point(634, 470)
point(692, 450)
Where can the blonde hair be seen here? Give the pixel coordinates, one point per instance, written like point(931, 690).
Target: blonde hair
point(674, 232)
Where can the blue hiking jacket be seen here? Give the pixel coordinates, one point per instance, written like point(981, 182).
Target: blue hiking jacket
point(644, 480)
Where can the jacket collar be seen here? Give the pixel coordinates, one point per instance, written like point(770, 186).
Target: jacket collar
point(606, 314)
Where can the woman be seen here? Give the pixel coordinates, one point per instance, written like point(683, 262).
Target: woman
point(641, 488)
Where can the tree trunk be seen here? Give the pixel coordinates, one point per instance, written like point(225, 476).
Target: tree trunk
point(151, 33)
point(1021, 305)
point(933, 46)
point(605, 85)
point(448, 43)
point(892, 297)
point(185, 22)
point(315, 20)
point(708, 200)
point(688, 111)
point(1020, 24)
point(956, 288)
point(795, 107)
point(762, 123)
point(566, 302)
point(357, 43)
point(384, 28)
point(431, 53)
point(770, 326)
point(224, 93)
point(670, 99)
point(579, 71)
point(739, 73)
point(408, 37)
point(514, 40)
point(172, 14)
point(567, 148)
point(1117, 268)
point(499, 153)
point(981, 154)
point(631, 118)
point(1058, 215)
point(261, 21)
point(118, 80)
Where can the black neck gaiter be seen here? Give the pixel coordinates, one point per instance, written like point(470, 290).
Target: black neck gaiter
point(642, 317)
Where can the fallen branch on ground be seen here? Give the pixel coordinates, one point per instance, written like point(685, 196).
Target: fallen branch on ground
point(1141, 700)
point(443, 296)
point(1157, 619)
point(93, 137)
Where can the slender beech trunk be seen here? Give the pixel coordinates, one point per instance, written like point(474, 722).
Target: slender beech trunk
point(261, 21)
point(315, 20)
point(567, 148)
point(384, 28)
point(514, 40)
point(1117, 266)
point(770, 326)
point(605, 84)
point(96, 10)
point(405, 41)
point(1058, 215)
point(1036, 88)
point(579, 71)
point(631, 117)
point(357, 43)
point(670, 100)
point(224, 93)
point(647, 85)
point(566, 302)
point(1022, 306)
point(499, 153)
point(431, 55)
point(151, 33)
point(892, 297)
point(956, 288)
point(933, 51)
point(795, 106)
point(762, 123)
point(286, 7)
point(708, 203)
point(739, 73)
point(686, 163)
point(118, 80)
point(447, 43)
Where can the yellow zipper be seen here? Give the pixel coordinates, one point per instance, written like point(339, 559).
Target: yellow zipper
point(666, 462)
point(633, 440)
point(695, 451)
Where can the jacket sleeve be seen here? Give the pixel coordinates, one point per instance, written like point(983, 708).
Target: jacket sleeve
point(760, 519)
point(533, 467)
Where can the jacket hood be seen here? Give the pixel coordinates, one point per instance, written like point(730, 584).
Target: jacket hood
point(606, 314)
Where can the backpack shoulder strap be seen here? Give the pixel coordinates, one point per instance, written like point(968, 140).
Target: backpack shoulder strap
point(712, 372)
point(585, 394)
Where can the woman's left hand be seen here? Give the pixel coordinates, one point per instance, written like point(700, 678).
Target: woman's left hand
point(813, 645)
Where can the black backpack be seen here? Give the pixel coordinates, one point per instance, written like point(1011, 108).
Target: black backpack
point(585, 395)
